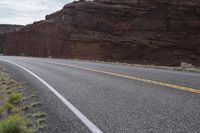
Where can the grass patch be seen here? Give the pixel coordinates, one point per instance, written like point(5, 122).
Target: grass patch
point(14, 124)
point(9, 91)
point(40, 121)
point(26, 107)
point(10, 82)
point(41, 127)
point(1, 110)
point(36, 104)
point(39, 115)
point(14, 97)
point(31, 96)
point(9, 107)
point(13, 107)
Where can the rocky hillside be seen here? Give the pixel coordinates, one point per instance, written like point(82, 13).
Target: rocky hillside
point(160, 32)
point(4, 29)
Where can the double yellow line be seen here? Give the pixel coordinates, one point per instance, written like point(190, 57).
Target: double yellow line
point(178, 87)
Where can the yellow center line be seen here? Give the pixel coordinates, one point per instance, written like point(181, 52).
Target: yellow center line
point(178, 87)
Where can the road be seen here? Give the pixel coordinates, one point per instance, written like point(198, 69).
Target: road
point(96, 97)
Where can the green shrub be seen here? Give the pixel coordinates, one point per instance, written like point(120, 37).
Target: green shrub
point(15, 97)
point(1, 110)
point(14, 124)
point(8, 106)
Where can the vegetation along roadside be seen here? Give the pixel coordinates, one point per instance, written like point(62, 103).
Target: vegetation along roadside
point(18, 113)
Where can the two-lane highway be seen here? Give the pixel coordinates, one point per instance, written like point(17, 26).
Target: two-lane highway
point(114, 98)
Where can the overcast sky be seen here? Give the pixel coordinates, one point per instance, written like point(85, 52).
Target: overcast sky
point(27, 11)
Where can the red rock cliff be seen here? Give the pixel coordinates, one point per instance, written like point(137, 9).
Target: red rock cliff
point(4, 29)
point(161, 32)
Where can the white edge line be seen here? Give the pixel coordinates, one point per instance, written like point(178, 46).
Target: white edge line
point(92, 127)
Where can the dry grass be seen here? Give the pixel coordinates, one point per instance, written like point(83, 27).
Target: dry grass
point(13, 104)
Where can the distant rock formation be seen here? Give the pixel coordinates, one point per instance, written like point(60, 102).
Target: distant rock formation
point(4, 30)
point(160, 32)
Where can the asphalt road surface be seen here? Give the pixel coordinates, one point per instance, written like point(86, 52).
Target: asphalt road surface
point(94, 97)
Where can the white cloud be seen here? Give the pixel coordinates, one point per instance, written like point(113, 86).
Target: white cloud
point(28, 11)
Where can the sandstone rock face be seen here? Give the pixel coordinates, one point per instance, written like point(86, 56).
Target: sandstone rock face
point(160, 32)
point(4, 29)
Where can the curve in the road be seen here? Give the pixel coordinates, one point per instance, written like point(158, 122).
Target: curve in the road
point(92, 127)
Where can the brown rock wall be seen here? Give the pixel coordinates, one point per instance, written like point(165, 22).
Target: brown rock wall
point(4, 29)
point(149, 32)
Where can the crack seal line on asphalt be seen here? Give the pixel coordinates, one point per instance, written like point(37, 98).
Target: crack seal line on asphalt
point(93, 128)
point(178, 87)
